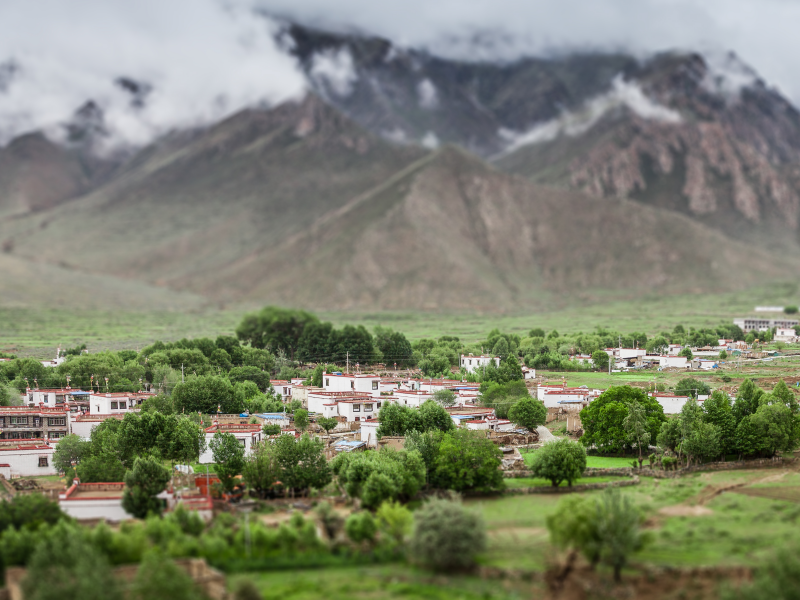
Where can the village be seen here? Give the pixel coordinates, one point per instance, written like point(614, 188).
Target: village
point(51, 438)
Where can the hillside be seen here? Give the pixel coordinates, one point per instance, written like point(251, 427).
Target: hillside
point(298, 205)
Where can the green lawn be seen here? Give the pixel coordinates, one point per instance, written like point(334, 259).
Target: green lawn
point(385, 582)
point(740, 529)
point(519, 482)
point(599, 462)
point(37, 331)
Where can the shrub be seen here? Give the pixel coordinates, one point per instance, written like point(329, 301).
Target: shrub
point(777, 579)
point(331, 520)
point(360, 527)
point(159, 578)
point(394, 521)
point(467, 461)
point(790, 310)
point(245, 589)
point(669, 462)
point(560, 460)
point(65, 566)
point(446, 536)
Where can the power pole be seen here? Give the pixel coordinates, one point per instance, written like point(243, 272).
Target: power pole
point(182, 373)
point(348, 362)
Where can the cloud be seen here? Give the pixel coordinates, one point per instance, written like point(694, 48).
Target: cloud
point(195, 61)
point(427, 94)
point(335, 71)
point(573, 123)
point(762, 32)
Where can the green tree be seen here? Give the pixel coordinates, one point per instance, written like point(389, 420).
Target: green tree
point(185, 443)
point(446, 536)
point(723, 354)
point(790, 310)
point(147, 479)
point(528, 413)
point(574, 525)
point(70, 449)
point(261, 469)
point(427, 443)
point(159, 578)
point(271, 429)
point(467, 461)
point(692, 387)
point(228, 453)
point(65, 567)
point(777, 578)
point(434, 416)
point(396, 420)
point(379, 476)
point(717, 410)
point(559, 460)
point(205, 395)
point(394, 347)
point(250, 374)
point(603, 419)
point(703, 441)
point(635, 425)
point(669, 436)
point(302, 462)
point(327, 423)
point(445, 398)
point(618, 526)
point(276, 328)
point(30, 512)
point(747, 400)
point(301, 419)
point(600, 360)
point(687, 352)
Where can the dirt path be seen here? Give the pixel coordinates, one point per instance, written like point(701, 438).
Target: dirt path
point(695, 506)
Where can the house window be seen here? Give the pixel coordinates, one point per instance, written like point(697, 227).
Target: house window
point(56, 421)
point(19, 420)
point(242, 443)
point(36, 421)
point(378, 405)
point(352, 385)
point(374, 385)
point(356, 408)
point(42, 461)
point(358, 418)
point(56, 434)
point(327, 382)
point(368, 408)
point(113, 405)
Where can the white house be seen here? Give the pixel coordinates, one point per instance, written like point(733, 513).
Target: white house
point(117, 402)
point(48, 397)
point(247, 435)
point(674, 349)
point(85, 501)
point(33, 423)
point(283, 388)
point(472, 363)
point(671, 403)
point(629, 353)
point(783, 334)
point(317, 399)
point(56, 361)
point(337, 382)
point(369, 432)
point(413, 399)
point(553, 399)
point(670, 361)
point(83, 424)
point(27, 460)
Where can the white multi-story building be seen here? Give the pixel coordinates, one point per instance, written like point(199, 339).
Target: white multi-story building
point(283, 388)
point(338, 382)
point(117, 402)
point(472, 363)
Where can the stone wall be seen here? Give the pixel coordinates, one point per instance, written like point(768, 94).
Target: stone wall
point(584, 487)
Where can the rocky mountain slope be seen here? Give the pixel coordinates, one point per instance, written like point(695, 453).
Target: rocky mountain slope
point(298, 205)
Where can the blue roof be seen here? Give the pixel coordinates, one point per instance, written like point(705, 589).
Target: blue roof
point(81, 393)
point(270, 415)
point(348, 445)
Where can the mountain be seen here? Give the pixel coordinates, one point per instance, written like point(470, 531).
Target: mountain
point(403, 180)
point(300, 206)
point(701, 135)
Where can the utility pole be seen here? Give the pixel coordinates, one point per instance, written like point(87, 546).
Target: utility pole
point(348, 362)
point(182, 373)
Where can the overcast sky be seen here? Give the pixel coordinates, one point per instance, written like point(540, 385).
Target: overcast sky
point(207, 58)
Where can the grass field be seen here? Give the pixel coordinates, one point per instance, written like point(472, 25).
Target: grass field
point(732, 528)
point(386, 581)
point(522, 482)
point(37, 331)
point(598, 462)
